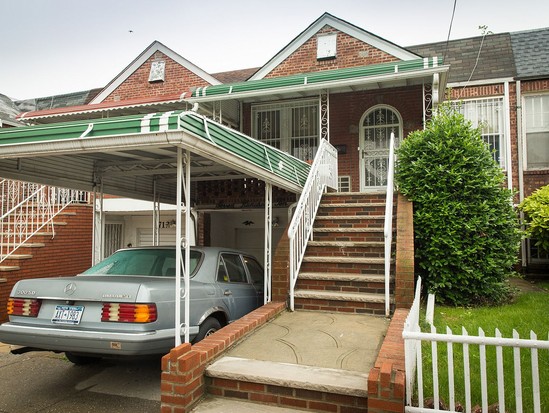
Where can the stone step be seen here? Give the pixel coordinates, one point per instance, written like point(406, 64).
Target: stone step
point(17, 256)
point(344, 277)
point(291, 376)
point(340, 296)
point(8, 268)
point(350, 217)
point(346, 260)
point(211, 404)
point(347, 244)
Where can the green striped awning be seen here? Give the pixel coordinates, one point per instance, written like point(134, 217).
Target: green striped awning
point(182, 128)
point(325, 78)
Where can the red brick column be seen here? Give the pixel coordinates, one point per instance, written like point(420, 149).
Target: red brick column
point(386, 381)
point(183, 382)
point(281, 270)
point(404, 267)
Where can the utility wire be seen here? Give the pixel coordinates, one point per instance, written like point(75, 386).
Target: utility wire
point(449, 31)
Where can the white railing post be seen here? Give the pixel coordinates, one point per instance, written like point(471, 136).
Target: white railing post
point(388, 225)
point(413, 337)
point(323, 174)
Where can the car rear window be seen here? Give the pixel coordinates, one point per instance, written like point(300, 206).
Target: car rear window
point(149, 262)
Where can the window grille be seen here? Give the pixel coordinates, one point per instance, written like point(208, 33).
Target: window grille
point(489, 115)
point(344, 183)
point(291, 127)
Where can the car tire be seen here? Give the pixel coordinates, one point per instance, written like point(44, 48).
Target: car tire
point(80, 360)
point(208, 327)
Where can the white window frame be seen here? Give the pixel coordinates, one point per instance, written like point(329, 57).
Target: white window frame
point(540, 125)
point(491, 124)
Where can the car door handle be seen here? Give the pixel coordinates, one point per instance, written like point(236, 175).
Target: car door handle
point(227, 292)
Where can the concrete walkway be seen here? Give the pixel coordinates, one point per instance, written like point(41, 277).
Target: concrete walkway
point(328, 352)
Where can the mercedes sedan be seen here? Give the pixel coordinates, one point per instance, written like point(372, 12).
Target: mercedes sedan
point(125, 305)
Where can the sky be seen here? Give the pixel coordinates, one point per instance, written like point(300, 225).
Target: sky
point(52, 47)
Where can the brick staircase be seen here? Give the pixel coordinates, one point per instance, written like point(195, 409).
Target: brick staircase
point(343, 268)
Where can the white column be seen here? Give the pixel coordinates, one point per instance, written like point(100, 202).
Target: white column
point(268, 241)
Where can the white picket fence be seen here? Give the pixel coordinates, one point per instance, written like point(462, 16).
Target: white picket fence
point(478, 352)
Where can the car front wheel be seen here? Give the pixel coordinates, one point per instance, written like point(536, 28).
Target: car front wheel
point(208, 327)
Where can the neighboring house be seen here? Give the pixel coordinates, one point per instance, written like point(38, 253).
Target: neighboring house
point(8, 113)
point(334, 81)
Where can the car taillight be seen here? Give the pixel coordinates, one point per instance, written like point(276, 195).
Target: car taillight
point(28, 307)
point(128, 313)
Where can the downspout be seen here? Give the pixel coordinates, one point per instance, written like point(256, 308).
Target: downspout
point(520, 148)
point(507, 118)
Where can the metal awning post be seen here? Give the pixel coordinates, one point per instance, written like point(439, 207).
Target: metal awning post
point(187, 243)
point(268, 241)
point(156, 216)
point(182, 242)
point(98, 225)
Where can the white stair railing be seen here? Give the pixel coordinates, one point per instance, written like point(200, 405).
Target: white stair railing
point(323, 174)
point(27, 208)
point(388, 225)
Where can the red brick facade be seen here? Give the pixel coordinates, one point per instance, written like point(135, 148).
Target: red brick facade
point(177, 79)
point(67, 253)
point(350, 52)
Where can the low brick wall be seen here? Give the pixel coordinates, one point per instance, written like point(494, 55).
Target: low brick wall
point(183, 381)
point(404, 267)
point(386, 381)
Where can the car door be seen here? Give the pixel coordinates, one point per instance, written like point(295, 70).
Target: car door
point(238, 293)
point(257, 276)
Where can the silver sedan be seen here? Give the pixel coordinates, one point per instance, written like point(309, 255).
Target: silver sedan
point(125, 305)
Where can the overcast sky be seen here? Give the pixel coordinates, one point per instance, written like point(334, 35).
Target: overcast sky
point(52, 47)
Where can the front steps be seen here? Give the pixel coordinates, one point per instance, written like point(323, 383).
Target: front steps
point(344, 269)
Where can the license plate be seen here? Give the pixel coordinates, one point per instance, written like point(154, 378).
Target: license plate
point(67, 314)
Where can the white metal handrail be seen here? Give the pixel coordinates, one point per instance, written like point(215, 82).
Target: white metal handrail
point(323, 174)
point(388, 225)
point(26, 208)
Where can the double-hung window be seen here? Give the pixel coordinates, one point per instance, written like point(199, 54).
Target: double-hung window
point(489, 115)
point(536, 123)
point(291, 127)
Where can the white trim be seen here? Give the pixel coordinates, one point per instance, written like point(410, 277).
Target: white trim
point(482, 82)
point(342, 26)
point(156, 46)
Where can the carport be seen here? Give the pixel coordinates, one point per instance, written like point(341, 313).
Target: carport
point(152, 157)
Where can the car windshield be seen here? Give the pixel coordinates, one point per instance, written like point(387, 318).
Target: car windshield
point(154, 262)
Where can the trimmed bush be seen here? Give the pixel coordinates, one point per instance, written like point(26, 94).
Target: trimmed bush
point(466, 231)
point(536, 208)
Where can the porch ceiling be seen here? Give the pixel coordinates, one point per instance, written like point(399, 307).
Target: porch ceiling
point(132, 155)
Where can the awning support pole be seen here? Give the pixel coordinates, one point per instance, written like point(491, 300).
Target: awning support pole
point(182, 242)
point(98, 224)
point(268, 241)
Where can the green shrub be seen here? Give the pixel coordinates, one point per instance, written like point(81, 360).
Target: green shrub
point(536, 208)
point(466, 231)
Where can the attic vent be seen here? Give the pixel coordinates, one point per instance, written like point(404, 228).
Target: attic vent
point(326, 46)
point(157, 71)
point(344, 183)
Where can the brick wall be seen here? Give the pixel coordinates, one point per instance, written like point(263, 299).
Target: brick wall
point(177, 79)
point(386, 381)
point(404, 266)
point(183, 382)
point(350, 52)
point(68, 253)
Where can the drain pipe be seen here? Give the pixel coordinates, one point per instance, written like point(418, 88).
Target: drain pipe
point(520, 154)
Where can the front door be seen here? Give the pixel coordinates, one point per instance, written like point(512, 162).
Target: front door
point(375, 133)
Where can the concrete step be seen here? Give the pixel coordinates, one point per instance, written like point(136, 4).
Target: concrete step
point(291, 376)
point(211, 404)
point(347, 244)
point(340, 296)
point(17, 257)
point(346, 260)
point(8, 268)
point(343, 277)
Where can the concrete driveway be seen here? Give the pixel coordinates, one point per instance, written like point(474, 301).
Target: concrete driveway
point(47, 382)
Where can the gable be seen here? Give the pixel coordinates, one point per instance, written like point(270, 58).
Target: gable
point(135, 81)
point(354, 47)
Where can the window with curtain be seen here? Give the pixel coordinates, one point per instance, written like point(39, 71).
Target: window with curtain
point(536, 131)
